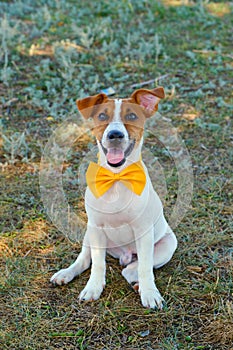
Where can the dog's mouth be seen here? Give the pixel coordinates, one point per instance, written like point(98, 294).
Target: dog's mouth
point(117, 156)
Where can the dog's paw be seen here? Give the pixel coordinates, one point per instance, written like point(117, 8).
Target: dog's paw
point(125, 259)
point(62, 277)
point(152, 299)
point(92, 291)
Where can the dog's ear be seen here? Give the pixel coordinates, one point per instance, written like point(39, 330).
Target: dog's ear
point(148, 99)
point(88, 105)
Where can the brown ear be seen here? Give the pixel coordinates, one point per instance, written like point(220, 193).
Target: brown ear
point(88, 104)
point(148, 99)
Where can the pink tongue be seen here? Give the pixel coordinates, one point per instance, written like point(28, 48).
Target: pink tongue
point(115, 155)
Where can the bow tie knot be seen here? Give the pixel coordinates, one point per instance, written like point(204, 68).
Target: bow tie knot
point(116, 176)
point(100, 180)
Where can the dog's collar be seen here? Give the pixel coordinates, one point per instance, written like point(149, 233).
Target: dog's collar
point(100, 180)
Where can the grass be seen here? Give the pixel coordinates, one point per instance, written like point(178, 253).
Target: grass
point(54, 52)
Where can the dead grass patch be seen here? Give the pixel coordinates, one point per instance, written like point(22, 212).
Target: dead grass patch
point(219, 331)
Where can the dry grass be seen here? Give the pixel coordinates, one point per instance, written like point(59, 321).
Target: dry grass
point(52, 55)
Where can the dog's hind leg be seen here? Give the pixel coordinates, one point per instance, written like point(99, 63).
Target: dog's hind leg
point(164, 249)
point(130, 273)
point(82, 263)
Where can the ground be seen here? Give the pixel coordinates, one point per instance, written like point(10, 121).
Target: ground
point(57, 51)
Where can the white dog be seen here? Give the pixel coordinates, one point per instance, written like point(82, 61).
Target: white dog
point(125, 214)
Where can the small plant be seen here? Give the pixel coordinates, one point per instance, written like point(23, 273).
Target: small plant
point(6, 34)
point(15, 148)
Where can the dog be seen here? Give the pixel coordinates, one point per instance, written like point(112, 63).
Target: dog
point(125, 214)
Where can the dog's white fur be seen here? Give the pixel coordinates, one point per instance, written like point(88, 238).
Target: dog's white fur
point(124, 225)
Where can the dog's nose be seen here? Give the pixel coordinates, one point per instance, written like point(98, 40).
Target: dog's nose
point(115, 135)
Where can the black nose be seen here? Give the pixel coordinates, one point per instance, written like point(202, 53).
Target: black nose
point(115, 134)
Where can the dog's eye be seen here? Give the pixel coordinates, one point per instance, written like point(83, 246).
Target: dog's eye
point(131, 117)
point(103, 117)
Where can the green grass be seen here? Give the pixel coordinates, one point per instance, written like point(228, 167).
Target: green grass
point(57, 51)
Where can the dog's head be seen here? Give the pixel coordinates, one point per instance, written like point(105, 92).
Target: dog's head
point(119, 123)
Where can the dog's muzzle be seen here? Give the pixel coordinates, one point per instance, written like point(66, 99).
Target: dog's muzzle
point(115, 152)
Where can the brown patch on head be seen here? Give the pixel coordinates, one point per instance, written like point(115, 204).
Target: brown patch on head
point(102, 117)
point(89, 105)
point(133, 117)
point(100, 108)
point(142, 104)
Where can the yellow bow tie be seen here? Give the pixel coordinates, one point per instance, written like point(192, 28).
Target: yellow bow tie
point(99, 179)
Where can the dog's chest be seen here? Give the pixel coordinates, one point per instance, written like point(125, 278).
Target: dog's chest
point(118, 206)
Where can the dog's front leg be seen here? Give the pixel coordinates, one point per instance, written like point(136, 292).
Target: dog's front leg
point(96, 282)
point(148, 291)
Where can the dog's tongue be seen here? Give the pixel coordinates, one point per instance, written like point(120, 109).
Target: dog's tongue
point(115, 155)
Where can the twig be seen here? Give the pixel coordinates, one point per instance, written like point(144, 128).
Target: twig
point(143, 83)
point(10, 102)
point(28, 252)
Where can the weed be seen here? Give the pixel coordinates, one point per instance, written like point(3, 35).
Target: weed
point(15, 148)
